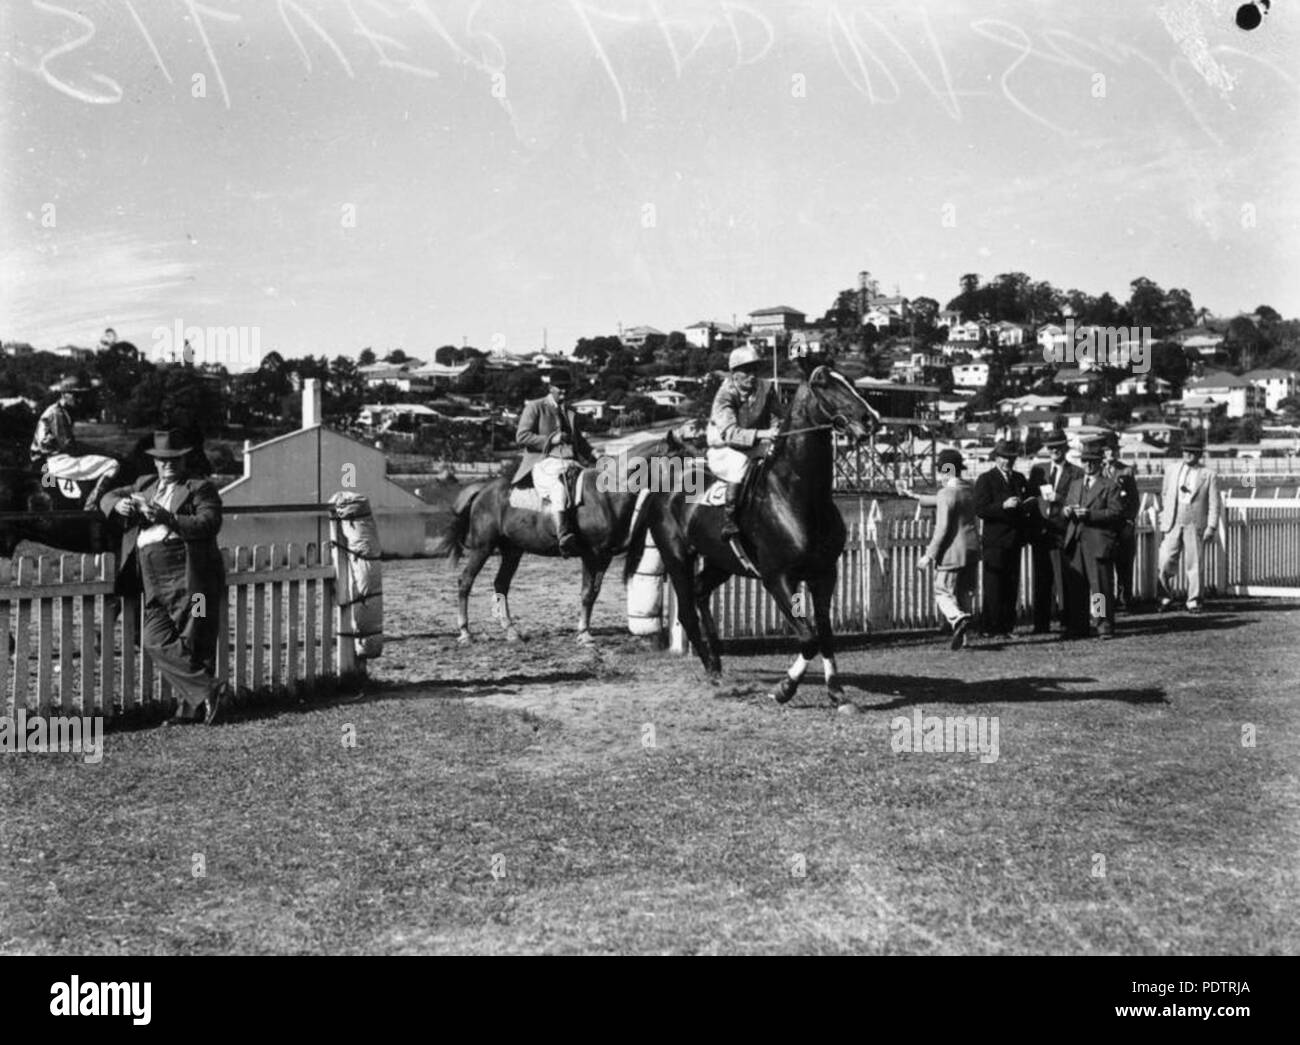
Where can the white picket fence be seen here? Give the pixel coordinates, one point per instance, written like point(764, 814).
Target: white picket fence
point(73, 645)
point(878, 587)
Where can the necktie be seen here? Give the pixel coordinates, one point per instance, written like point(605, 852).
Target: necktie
point(1055, 474)
point(1087, 483)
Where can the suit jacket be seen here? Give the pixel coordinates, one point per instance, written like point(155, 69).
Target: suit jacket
point(196, 520)
point(956, 541)
point(736, 419)
point(1051, 521)
point(539, 424)
point(1203, 511)
point(1098, 534)
point(1003, 528)
point(1124, 478)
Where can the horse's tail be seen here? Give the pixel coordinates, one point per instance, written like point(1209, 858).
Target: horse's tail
point(461, 512)
point(636, 536)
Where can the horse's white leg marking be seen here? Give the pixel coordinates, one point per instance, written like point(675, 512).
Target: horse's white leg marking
point(797, 669)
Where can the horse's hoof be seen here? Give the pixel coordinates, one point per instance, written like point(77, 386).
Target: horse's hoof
point(847, 708)
point(714, 679)
point(512, 635)
point(464, 639)
point(785, 690)
point(585, 638)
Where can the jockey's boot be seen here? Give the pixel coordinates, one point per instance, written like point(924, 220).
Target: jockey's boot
point(92, 499)
point(568, 540)
point(730, 530)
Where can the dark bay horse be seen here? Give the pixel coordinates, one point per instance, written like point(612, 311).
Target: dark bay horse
point(485, 522)
point(791, 531)
point(58, 521)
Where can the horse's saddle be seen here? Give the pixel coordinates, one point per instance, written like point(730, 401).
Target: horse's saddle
point(715, 496)
point(527, 497)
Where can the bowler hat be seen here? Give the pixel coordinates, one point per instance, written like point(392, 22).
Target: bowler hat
point(951, 459)
point(1057, 438)
point(1005, 448)
point(560, 377)
point(168, 444)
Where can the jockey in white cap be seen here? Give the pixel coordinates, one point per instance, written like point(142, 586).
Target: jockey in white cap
point(743, 414)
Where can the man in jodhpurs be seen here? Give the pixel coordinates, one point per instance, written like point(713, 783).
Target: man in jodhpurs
point(743, 412)
point(552, 444)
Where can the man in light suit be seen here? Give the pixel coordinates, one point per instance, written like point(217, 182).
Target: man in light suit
point(169, 552)
point(954, 547)
point(1189, 513)
point(1095, 511)
point(1052, 482)
point(553, 445)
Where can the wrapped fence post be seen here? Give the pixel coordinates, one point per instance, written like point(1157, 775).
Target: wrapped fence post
point(360, 584)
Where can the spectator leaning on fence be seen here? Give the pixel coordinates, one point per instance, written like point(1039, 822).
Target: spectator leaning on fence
point(170, 553)
point(1189, 513)
point(954, 547)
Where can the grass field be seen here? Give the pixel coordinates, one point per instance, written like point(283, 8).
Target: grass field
point(544, 797)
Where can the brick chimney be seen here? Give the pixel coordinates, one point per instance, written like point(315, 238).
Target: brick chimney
point(310, 403)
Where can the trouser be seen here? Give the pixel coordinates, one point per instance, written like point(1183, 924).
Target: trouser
point(1183, 539)
point(548, 478)
point(1093, 581)
point(954, 587)
point(1001, 575)
point(182, 644)
point(1049, 584)
point(1075, 590)
point(1125, 553)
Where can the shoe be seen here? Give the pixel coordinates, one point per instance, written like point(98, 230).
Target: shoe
point(959, 632)
point(179, 718)
point(215, 704)
point(1165, 605)
point(1193, 607)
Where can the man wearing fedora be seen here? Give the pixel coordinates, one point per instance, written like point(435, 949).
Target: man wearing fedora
point(1051, 482)
point(1002, 497)
point(169, 552)
point(1094, 512)
point(954, 548)
point(553, 445)
point(1121, 474)
point(743, 414)
point(1189, 513)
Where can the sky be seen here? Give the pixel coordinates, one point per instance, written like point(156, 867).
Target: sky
point(335, 174)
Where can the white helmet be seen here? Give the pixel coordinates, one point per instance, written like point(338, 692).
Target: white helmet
point(743, 357)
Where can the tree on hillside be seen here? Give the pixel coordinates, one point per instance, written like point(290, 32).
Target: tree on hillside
point(397, 357)
point(1146, 305)
point(1179, 310)
point(366, 357)
point(597, 350)
point(1243, 342)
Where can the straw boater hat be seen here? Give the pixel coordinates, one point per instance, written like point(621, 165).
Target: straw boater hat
point(169, 444)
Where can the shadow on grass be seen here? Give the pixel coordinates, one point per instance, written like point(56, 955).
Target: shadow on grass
point(906, 690)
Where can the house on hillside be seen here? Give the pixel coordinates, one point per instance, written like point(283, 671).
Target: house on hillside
point(678, 383)
point(967, 333)
point(1008, 334)
point(1142, 385)
point(596, 409)
point(711, 333)
point(667, 397)
point(1053, 341)
point(949, 318)
point(1072, 381)
point(768, 324)
point(1239, 397)
point(970, 375)
point(396, 375)
point(308, 467)
point(1277, 385)
point(635, 337)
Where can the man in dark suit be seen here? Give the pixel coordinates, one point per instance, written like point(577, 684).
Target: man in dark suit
point(1001, 498)
point(553, 444)
point(1051, 482)
point(1125, 481)
point(169, 552)
point(1094, 512)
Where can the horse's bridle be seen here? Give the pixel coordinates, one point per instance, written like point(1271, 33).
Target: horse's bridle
point(838, 422)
